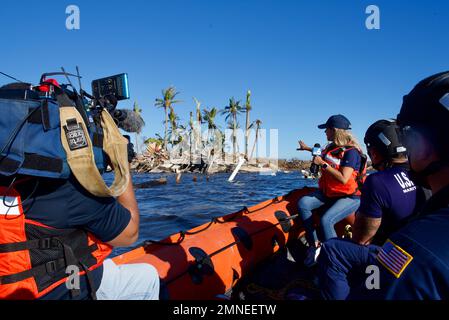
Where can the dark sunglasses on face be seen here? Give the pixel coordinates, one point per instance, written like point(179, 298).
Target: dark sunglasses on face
point(407, 135)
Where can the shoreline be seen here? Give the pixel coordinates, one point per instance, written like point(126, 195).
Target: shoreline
point(145, 164)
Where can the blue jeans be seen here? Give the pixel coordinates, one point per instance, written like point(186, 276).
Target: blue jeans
point(128, 282)
point(339, 210)
point(340, 263)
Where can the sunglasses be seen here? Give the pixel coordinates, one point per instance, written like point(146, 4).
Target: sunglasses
point(407, 136)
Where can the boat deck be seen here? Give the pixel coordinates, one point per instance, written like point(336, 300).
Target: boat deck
point(281, 277)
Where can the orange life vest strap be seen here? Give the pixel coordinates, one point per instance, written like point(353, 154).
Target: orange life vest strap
point(39, 271)
point(45, 243)
point(333, 156)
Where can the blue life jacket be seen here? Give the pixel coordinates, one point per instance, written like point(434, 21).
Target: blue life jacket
point(30, 137)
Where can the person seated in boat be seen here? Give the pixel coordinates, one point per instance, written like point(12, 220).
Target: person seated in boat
point(389, 198)
point(63, 206)
point(55, 236)
point(414, 261)
point(342, 172)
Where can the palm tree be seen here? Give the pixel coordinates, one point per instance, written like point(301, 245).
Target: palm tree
point(173, 119)
point(209, 118)
point(256, 123)
point(199, 121)
point(191, 135)
point(137, 111)
point(223, 142)
point(167, 101)
point(231, 111)
point(158, 142)
point(198, 110)
point(235, 148)
point(248, 108)
point(191, 121)
point(176, 130)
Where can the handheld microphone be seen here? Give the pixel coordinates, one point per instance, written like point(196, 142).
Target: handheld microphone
point(316, 151)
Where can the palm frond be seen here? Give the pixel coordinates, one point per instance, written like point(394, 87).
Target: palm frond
point(248, 106)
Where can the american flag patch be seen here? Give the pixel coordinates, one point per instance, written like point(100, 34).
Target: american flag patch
point(394, 258)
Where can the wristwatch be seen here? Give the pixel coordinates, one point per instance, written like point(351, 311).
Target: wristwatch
point(324, 166)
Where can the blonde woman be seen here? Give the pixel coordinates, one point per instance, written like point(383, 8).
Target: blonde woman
point(342, 170)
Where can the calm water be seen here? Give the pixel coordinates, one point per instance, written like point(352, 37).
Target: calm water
point(167, 209)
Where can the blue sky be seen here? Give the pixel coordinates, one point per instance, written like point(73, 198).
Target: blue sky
point(302, 60)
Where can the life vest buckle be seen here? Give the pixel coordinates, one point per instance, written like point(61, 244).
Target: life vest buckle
point(51, 267)
point(45, 243)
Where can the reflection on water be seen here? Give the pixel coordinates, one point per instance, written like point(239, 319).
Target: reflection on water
point(169, 208)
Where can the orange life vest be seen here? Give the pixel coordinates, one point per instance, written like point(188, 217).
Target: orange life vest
point(34, 257)
point(331, 187)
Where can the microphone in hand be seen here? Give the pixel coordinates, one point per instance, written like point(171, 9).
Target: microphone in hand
point(316, 151)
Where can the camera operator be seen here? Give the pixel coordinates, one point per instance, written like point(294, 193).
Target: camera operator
point(56, 224)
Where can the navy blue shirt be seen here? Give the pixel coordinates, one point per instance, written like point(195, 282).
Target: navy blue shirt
point(66, 204)
point(391, 196)
point(427, 274)
point(414, 263)
point(351, 159)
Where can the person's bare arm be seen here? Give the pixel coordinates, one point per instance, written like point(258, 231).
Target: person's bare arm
point(131, 232)
point(343, 175)
point(303, 146)
point(365, 228)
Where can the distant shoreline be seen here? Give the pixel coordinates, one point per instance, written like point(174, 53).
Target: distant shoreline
point(144, 165)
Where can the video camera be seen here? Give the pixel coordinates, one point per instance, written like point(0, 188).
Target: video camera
point(106, 92)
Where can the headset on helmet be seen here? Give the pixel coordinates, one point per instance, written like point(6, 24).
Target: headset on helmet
point(384, 136)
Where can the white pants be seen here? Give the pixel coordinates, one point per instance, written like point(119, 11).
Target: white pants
point(128, 282)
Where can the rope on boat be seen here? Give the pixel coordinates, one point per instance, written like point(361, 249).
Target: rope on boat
point(213, 221)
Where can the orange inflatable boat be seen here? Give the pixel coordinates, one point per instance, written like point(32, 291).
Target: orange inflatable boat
point(209, 260)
